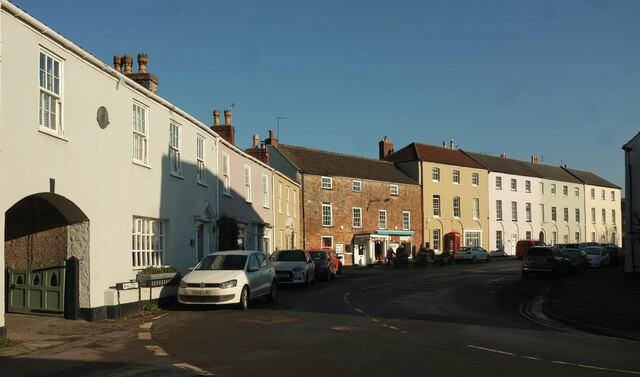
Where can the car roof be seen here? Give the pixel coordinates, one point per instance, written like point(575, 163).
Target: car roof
point(235, 252)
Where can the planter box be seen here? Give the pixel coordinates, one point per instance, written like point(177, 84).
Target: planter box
point(157, 280)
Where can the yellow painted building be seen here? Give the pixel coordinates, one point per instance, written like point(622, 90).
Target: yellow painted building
point(287, 212)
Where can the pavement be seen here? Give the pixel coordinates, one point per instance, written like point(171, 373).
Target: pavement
point(600, 301)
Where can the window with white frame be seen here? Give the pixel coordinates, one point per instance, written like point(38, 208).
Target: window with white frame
point(499, 209)
point(226, 175)
point(527, 212)
point(527, 186)
point(593, 215)
point(565, 238)
point(565, 190)
point(436, 239)
point(565, 212)
point(475, 203)
point(50, 108)
point(200, 168)
point(577, 215)
point(406, 220)
point(602, 194)
point(613, 196)
point(527, 235)
point(613, 216)
point(326, 242)
point(140, 132)
point(174, 148)
point(553, 189)
point(394, 190)
point(295, 204)
point(499, 240)
point(604, 216)
point(456, 177)
point(456, 206)
point(327, 215)
point(514, 184)
point(265, 191)
point(382, 219)
point(471, 238)
point(576, 192)
point(280, 197)
point(553, 214)
point(554, 238)
point(147, 240)
point(436, 206)
point(247, 183)
point(357, 186)
point(435, 174)
point(327, 183)
point(593, 193)
point(577, 236)
point(357, 217)
point(287, 197)
point(514, 211)
point(475, 180)
point(498, 183)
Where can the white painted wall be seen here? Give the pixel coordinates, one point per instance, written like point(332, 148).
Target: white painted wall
point(560, 201)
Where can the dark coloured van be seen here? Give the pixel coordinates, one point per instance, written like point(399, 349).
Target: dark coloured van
point(524, 245)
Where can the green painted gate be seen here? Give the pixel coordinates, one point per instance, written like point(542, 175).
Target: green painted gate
point(38, 291)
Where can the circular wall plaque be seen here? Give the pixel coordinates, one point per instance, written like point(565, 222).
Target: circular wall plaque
point(102, 117)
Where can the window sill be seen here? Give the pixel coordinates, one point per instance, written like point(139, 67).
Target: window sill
point(177, 175)
point(203, 184)
point(140, 163)
point(54, 134)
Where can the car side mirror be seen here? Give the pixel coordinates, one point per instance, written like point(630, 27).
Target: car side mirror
point(252, 269)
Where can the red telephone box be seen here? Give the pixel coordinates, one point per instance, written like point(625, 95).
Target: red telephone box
point(452, 242)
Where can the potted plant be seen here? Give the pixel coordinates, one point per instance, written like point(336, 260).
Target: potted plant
point(155, 273)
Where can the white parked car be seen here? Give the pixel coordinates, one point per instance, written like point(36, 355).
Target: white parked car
point(294, 267)
point(597, 255)
point(229, 277)
point(472, 254)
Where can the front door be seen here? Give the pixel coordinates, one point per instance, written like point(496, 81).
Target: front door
point(37, 291)
point(514, 241)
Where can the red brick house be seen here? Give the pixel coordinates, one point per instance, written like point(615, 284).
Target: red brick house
point(358, 206)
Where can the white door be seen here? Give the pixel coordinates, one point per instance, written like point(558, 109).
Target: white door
point(358, 255)
point(514, 241)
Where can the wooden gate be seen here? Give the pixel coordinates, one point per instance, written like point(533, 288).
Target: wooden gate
point(38, 291)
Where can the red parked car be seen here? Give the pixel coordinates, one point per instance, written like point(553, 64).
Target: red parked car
point(524, 245)
point(334, 255)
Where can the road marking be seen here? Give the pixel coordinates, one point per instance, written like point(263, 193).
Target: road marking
point(146, 325)
point(553, 361)
point(144, 336)
point(157, 351)
point(532, 310)
point(374, 286)
point(345, 298)
point(197, 370)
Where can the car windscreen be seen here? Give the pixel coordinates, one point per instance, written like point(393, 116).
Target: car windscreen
point(592, 251)
point(222, 262)
point(542, 252)
point(290, 256)
point(464, 248)
point(318, 255)
point(571, 253)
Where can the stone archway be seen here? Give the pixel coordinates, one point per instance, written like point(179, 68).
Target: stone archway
point(44, 230)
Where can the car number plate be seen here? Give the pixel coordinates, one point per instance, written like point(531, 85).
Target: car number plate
point(201, 293)
point(282, 276)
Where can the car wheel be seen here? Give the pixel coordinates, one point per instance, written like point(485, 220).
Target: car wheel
point(488, 258)
point(244, 299)
point(473, 260)
point(273, 293)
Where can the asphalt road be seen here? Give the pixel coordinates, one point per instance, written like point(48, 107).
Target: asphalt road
point(460, 320)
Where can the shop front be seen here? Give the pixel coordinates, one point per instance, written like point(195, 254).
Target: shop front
point(369, 249)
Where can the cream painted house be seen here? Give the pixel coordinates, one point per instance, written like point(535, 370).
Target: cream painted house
point(455, 197)
point(287, 214)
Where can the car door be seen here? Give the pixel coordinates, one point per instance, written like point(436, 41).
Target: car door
point(311, 267)
point(265, 273)
point(254, 276)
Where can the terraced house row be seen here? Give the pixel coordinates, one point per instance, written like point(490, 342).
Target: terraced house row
point(102, 179)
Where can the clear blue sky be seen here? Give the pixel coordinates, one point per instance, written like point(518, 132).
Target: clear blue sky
point(557, 79)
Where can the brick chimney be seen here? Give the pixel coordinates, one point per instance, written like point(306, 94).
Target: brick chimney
point(258, 152)
point(385, 148)
point(142, 77)
point(226, 131)
point(271, 140)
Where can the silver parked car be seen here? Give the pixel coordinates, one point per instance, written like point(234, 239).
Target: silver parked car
point(472, 254)
point(229, 277)
point(294, 267)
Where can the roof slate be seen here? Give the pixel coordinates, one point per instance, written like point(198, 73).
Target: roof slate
point(313, 161)
point(431, 153)
point(591, 179)
point(504, 165)
point(555, 173)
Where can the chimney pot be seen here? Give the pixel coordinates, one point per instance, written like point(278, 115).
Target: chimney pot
point(128, 62)
point(142, 63)
point(444, 144)
point(117, 63)
point(451, 144)
point(256, 140)
point(227, 117)
point(216, 117)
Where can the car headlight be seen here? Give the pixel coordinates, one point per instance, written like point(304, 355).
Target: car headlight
point(297, 269)
point(228, 284)
point(183, 284)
